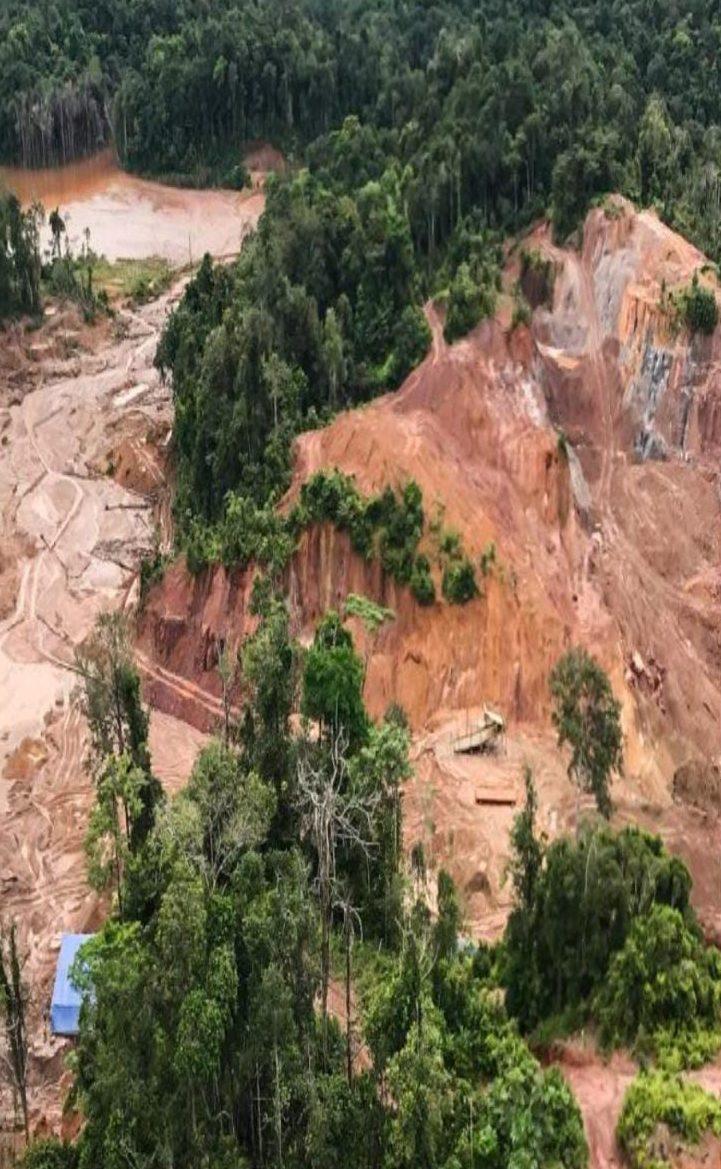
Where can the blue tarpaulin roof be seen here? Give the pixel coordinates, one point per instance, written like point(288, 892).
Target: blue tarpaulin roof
point(66, 1000)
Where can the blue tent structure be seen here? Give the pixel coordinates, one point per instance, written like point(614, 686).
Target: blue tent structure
point(66, 1000)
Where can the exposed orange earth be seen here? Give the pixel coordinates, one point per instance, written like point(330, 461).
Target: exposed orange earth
point(600, 545)
point(599, 541)
point(603, 546)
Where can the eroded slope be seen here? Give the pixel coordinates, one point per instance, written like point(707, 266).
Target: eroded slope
point(611, 540)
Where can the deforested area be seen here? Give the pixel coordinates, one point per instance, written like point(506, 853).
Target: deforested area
point(360, 554)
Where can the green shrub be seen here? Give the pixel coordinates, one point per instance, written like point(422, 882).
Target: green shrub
point(147, 285)
point(201, 546)
point(249, 533)
point(698, 308)
point(49, 1153)
point(400, 523)
point(522, 313)
point(663, 991)
point(459, 581)
point(332, 497)
point(525, 1098)
point(152, 569)
point(660, 1099)
point(449, 543)
point(422, 585)
point(71, 278)
point(468, 301)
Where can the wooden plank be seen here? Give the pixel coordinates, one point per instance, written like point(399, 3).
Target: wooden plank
point(497, 796)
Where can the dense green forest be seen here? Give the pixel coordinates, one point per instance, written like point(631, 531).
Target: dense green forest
point(441, 128)
point(497, 107)
point(271, 987)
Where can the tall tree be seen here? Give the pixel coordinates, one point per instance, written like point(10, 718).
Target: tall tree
point(111, 701)
point(350, 924)
point(332, 815)
point(13, 1005)
point(449, 917)
point(333, 685)
point(270, 677)
point(20, 268)
point(527, 848)
point(587, 718)
point(118, 805)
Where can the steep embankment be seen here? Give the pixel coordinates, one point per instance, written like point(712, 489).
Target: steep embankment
point(516, 495)
point(614, 544)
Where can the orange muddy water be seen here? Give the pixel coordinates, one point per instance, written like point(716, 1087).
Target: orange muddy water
point(130, 217)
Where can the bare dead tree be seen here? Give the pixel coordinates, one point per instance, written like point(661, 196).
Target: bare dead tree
point(13, 1004)
point(332, 814)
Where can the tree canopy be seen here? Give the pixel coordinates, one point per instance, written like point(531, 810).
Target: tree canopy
point(587, 718)
point(208, 1033)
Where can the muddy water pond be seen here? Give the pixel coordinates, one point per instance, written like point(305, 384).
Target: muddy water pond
point(132, 218)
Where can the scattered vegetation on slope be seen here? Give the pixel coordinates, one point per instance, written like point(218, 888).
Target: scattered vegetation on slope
point(658, 1099)
point(698, 308)
point(388, 526)
point(693, 307)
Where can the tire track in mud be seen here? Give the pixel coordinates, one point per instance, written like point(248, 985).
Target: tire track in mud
point(183, 687)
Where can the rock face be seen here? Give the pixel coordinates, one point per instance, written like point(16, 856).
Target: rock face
point(609, 538)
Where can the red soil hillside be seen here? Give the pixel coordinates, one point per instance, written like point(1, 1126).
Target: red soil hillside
point(615, 545)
